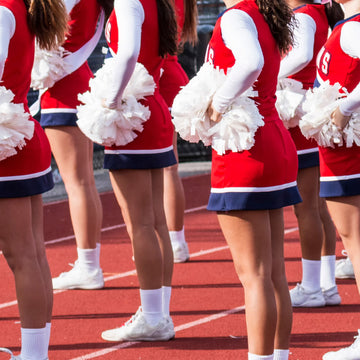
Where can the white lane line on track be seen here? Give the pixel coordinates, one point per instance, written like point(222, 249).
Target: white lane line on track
point(114, 227)
point(198, 322)
point(133, 272)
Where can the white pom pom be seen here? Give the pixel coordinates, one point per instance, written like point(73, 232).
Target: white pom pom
point(318, 106)
point(290, 95)
point(238, 125)
point(115, 126)
point(15, 125)
point(49, 67)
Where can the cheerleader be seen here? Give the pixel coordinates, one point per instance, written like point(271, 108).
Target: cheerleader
point(25, 171)
point(318, 287)
point(135, 33)
point(172, 79)
point(339, 63)
point(250, 188)
point(72, 150)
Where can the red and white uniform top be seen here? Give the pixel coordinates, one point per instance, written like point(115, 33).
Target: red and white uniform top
point(132, 33)
point(263, 177)
point(60, 101)
point(339, 62)
point(28, 172)
point(310, 34)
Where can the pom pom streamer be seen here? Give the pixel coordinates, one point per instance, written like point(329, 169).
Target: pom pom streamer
point(235, 131)
point(49, 67)
point(15, 125)
point(290, 95)
point(317, 123)
point(115, 126)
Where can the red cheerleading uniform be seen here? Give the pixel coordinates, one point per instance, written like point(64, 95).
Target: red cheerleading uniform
point(263, 177)
point(339, 166)
point(152, 148)
point(28, 172)
point(58, 104)
point(307, 150)
point(173, 76)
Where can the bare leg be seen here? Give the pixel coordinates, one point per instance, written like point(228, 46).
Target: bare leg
point(73, 153)
point(174, 198)
point(345, 212)
point(282, 296)
point(248, 234)
point(133, 190)
point(308, 215)
point(20, 250)
point(38, 226)
point(329, 243)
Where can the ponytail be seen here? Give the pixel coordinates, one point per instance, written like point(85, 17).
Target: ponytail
point(189, 32)
point(47, 20)
point(279, 16)
point(108, 6)
point(167, 28)
point(334, 13)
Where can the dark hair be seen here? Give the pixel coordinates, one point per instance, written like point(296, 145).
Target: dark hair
point(47, 20)
point(108, 6)
point(167, 28)
point(334, 13)
point(279, 17)
point(189, 31)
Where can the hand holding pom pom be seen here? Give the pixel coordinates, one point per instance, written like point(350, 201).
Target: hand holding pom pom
point(15, 125)
point(116, 125)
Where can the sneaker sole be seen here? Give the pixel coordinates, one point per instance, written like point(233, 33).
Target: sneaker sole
point(167, 338)
point(80, 287)
point(322, 304)
point(345, 276)
point(177, 261)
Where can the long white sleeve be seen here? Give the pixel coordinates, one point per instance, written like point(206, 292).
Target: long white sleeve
point(302, 51)
point(130, 17)
point(350, 44)
point(240, 36)
point(7, 30)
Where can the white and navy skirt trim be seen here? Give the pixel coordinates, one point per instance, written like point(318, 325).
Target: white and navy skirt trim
point(334, 186)
point(58, 117)
point(308, 158)
point(257, 198)
point(139, 159)
point(26, 185)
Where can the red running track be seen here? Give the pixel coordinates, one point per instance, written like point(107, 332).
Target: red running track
point(207, 303)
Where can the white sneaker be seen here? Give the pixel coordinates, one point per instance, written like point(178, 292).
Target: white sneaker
point(13, 357)
point(344, 268)
point(331, 296)
point(181, 252)
point(77, 278)
point(301, 298)
point(349, 353)
point(137, 329)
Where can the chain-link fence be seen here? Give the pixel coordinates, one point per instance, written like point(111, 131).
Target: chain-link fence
point(191, 60)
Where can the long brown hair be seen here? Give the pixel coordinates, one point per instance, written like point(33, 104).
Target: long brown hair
point(108, 6)
point(47, 20)
point(189, 31)
point(334, 13)
point(167, 28)
point(278, 15)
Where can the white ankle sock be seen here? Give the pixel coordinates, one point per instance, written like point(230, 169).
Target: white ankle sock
point(280, 354)
point(88, 259)
point(166, 296)
point(177, 237)
point(327, 273)
point(311, 274)
point(151, 303)
point(260, 357)
point(34, 344)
